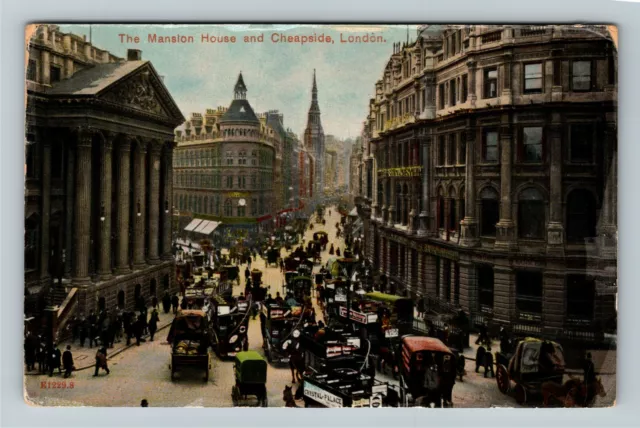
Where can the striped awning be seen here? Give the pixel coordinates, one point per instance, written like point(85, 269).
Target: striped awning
point(194, 223)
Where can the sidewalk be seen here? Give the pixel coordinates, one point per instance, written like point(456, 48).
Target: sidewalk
point(84, 357)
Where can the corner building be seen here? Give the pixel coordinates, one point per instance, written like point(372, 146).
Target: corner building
point(493, 181)
point(98, 186)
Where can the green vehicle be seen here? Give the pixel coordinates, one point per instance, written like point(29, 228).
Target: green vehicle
point(250, 370)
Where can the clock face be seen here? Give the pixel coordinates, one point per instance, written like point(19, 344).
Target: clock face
point(242, 202)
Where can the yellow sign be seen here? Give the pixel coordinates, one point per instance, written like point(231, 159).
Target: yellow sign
point(237, 195)
point(405, 171)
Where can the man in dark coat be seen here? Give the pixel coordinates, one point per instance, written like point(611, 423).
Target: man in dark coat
point(67, 361)
point(54, 359)
point(92, 328)
point(175, 303)
point(82, 329)
point(30, 350)
point(153, 323)
point(247, 274)
point(138, 327)
point(101, 361)
point(166, 302)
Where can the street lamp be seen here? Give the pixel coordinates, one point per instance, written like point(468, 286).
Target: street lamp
point(102, 213)
point(139, 210)
point(166, 207)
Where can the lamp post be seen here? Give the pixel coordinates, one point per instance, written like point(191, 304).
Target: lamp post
point(346, 267)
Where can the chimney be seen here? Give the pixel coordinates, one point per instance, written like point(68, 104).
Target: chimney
point(134, 55)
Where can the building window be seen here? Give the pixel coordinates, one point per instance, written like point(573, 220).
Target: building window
point(485, 288)
point(531, 147)
point(254, 207)
point(581, 143)
point(452, 92)
point(581, 76)
point(229, 182)
point(462, 157)
point(54, 74)
point(31, 159)
point(490, 211)
point(438, 270)
point(490, 147)
point(441, 150)
point(228, 208)
point(464, 90)
point(581, 292)
point(529, 294)
point(581, 216)
point(447, 279)
point(242, 182)
point(491, 83)
point(453, 226)
point(452, 150)
point(254, 181)
point(241, 211)
point(32, 70)
point(440, 203)
point(531, 214)
point(441, 96)
point(532, 78)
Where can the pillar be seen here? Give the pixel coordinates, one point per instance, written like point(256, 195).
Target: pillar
point(45, 76)
point(82, 208)
point(423, 217)
point(167, 192)
point(155, 149)
point(505, 238)
point(553, 303)
point(391, 203)
point(468, 287)
point(503, 294)
point(469, 225)
point(555, 229)
point(104, 262)
point(607, 230)
point(472, 97)
point(69, 208)
point(140, 206)
point(45, 195)
point(124, 208)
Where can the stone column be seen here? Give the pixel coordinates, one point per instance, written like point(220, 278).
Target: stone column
point(124, 208)
point(391, 203)
point(469, 225)
point(168, 201)
point(553, 293)
point(472, 97)
point(45, 76)
point(468, 287)
point(155, 149)
point(104, 263)
point(69, 208)
point(140, 206)
point(607, 231)
point(82, 209)
point(505, 238)
point(45, 195)
point(425, 146)
point(503, 294)
point(555, 229)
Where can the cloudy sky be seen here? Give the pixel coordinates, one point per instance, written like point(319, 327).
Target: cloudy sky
point(278, 75)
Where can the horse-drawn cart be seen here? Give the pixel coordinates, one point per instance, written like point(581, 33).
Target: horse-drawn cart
point(534, 362)
point(250, 371)
point(189, 339)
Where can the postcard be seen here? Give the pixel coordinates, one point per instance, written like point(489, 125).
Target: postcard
point(331, 216)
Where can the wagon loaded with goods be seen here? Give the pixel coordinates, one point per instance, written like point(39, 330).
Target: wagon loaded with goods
point(189, 339)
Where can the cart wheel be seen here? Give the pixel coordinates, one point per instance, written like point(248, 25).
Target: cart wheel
point(502, 379)
point(520, 394)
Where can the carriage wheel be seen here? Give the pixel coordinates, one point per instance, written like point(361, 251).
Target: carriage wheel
point(235, 395)
point(520, 394)
point(502, 379)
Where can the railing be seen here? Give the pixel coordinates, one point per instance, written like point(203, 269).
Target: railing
point(533, 30)
point(526, 329)
point(63, 315)
point(492, 37)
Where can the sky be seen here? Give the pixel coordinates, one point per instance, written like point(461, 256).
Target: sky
point(278, 75)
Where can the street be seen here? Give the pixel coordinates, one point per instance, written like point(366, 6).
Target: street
point(143, 373)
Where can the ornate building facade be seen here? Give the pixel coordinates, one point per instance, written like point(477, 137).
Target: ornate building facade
point(493, 181)
point(226, 165)
point(314, 141)
point(99, 148)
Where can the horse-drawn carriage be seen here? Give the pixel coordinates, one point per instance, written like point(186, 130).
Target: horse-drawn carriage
point(427, 371)
point(280, 326)
point(534, 362)
point(189, 339)
point(229, 325)
point(322, 237)
point(273, 254)
point(250, 371)
point(230, 273)
point(300, 287)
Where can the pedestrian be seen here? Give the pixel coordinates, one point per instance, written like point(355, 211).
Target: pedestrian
point(30, 350)
point(166, 302)
point(101, 361)
point(338, 252)
point(174, 303)
point(144, 403)
point(67, 362)
point(42, 356)
point(54, 360)
point(153, 323)
point(421, 307)
point(247, 274)
point(154, 302)
point(75, 330)
point(589, 371)
point(82, 330)
point(92, 329)
point(331, 250)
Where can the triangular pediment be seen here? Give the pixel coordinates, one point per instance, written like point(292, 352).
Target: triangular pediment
point(144, 91)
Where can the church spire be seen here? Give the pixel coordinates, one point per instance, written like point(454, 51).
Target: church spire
point(314, 109)
point(240, 90)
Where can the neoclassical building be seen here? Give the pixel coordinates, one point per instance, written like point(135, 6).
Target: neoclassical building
point(99, 147)
point(226, 166)
point(490, 171)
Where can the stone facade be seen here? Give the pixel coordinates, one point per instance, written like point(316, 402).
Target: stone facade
point(95, 221)
point(494, 157)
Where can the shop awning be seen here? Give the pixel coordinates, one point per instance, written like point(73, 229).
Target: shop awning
point(211, 227)
point(194, 223)
point(202, 226)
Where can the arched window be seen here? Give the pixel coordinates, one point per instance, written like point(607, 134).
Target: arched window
point(531, 214)
point(490, 211)
point(453, 219)
point(228, 208)
point(581, 216)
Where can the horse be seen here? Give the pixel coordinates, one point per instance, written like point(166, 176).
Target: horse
point(385, 358)
point(484, 359)
point(287, 396)
point(593, 389)
point(566, 393)
point(460, 363)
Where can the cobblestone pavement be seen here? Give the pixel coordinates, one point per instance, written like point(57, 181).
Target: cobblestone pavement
point(143, 372)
